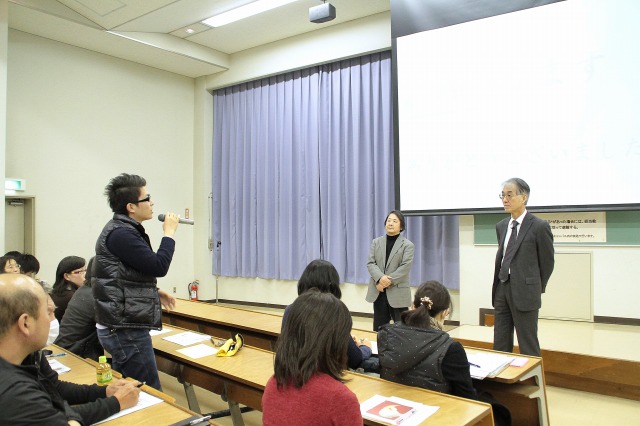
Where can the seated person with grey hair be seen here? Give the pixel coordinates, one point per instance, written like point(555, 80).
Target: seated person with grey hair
point(30, 392)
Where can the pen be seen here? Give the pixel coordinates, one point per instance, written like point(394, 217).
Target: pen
point(54, 355)
point(200, 420)
point(474, 365)
point(141, 384)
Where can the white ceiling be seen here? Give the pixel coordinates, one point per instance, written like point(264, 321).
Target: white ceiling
point(153, 32)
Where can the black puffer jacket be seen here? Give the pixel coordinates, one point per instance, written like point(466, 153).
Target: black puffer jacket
point(124, 297)
point(413, 356)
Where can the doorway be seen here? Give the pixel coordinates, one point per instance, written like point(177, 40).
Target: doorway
point(19, 224)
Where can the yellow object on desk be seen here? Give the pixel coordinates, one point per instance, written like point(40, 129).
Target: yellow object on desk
point(231, 346)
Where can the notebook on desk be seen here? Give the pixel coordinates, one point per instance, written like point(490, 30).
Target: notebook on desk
point(484, 364)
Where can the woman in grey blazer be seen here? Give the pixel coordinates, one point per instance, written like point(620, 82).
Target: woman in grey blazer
point(390, 260)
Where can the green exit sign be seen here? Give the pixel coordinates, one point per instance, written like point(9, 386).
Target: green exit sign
point(11, 184)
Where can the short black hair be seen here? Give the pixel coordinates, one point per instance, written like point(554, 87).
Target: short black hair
point(320, 274)
point(314, 339)
point(400, 217)
point(29, 264)
point(122, 190)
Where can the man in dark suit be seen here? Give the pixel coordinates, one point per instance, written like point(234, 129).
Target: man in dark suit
point(524, 263)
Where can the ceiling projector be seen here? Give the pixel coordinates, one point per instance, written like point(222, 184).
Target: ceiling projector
point(322, 13)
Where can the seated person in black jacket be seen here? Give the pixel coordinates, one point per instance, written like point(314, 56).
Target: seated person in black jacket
point(322, 275)
point(417, 352)
point(78, 326)
point(30, 392)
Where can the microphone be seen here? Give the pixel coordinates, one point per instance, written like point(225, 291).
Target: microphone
point(185, 221)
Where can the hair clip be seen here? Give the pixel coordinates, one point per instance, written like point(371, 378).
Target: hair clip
point(426, 302)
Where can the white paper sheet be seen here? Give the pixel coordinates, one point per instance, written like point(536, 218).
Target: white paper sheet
point(187, 338)
point(57, 366)
point(156, 332)
point(198, 351)
point(484, 364)
point(145, 401)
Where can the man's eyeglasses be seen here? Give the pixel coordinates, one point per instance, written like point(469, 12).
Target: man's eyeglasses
point(508, 196)
point(144, 200)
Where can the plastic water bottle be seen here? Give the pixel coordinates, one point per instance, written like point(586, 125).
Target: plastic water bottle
point(103, 371)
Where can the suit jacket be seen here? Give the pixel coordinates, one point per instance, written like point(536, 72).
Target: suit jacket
point(398, 267)
point(532, 263)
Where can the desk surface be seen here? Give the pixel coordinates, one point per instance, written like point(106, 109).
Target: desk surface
point(251, 368)
point(269, 325)
point(247, 320)
point(84, 372)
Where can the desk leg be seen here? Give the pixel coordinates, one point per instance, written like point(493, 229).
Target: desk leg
point(191, 397)
point(234, 409)
point(540, 394)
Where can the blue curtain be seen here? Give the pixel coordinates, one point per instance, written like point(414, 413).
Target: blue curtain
point(303, 169)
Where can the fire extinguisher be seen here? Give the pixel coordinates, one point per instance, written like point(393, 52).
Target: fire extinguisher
point(193, 290)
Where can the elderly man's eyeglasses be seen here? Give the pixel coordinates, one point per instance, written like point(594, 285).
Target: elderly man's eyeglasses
point(144, 200)
point(507, 196)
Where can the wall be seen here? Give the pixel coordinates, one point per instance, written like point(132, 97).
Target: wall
point(4, 31)
point(615, 272)
point(77, 118)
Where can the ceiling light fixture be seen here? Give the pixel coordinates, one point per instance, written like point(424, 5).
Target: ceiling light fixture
point(245, 11)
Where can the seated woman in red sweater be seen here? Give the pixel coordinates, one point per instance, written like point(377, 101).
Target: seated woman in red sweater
point(311, 353)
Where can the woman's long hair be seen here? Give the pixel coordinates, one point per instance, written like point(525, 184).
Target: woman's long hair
point(313, 340)
point(424, 310)
point(66, 265)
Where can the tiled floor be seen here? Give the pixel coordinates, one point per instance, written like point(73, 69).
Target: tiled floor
point(566, 407)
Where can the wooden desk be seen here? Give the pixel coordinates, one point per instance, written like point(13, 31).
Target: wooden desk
point(522, 389)
point(243, 377)
point(260, 330)
point(84, 372)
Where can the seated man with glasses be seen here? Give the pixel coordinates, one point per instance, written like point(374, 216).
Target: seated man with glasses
point(127, 299)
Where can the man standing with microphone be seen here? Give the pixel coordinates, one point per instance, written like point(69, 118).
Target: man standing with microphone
point(127, 299)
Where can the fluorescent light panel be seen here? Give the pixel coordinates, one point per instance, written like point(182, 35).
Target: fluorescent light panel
point(245, 11)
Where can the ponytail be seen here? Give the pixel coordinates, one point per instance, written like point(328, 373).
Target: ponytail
point(430, 299)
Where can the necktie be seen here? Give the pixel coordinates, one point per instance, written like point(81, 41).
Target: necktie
point(508, 254)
